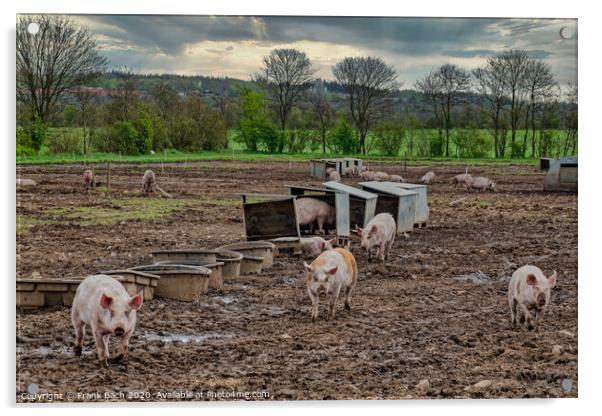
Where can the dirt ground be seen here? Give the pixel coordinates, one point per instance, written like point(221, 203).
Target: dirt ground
point(438, 313)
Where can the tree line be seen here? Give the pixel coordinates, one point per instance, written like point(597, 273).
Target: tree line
point(511, 106)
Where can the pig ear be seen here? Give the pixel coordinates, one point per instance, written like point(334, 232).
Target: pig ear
point(531, 280)
point(322, 246)
point(333, 270)
point(308, 268)
point(136, 301)
point(373, 229)
point(332, 240)
point(552, 279)
point(359, 230)
point(105, 301)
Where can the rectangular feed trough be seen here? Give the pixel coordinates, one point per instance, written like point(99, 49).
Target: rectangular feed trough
point(400, 203)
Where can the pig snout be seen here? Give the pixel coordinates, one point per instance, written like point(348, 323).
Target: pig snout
point(119, 331)
point(541, 300)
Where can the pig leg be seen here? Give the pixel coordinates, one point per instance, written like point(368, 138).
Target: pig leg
point(321, 226)
point(80, 333)
point(527, 318)
point(513, 311)
point(382, 253)
point(122, 352)
point(334, 295)
point(348, 290)
point(101, 347)
point(314, 302)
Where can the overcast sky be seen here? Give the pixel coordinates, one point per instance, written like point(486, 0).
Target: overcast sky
point(233, 46)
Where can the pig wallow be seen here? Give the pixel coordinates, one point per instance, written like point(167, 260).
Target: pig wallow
point(333, 272)
point(103, 304)
point(312, 210)
point(378, 234)
point(529, 296)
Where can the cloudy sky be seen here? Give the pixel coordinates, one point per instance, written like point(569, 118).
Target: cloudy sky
point(233, 46)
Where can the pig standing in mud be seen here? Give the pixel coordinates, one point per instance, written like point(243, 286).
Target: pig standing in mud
point(332, 272)
point(103, 303)
point(334, 176)
point(462, 178)
point(379, 233)
point(311, 210)
point(148, 182)
point(351, 171)
point(480, 183)
point(396, 178)
point(529, 295)
point(315, 245)
point(428, 178)
point(89, 179)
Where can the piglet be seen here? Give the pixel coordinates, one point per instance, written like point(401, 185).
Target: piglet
point(103, 303)
point(334, 176)
point(529, 295)
point(462, 178)
point(316, 245)
point(333, 272)
point(312, 210)
point(379, 233)
point(351, 171)
point(428, 178)
point(89, 179)
point(396, 178)
point(480, 183)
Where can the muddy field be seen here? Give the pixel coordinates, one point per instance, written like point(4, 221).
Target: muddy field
point(438, 313)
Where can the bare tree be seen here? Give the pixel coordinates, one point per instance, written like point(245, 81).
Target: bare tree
point(453, 82)
point(367, 81)
point(490, 84)
point(571, 120)
point(60, 56)
point(515, 68)
point(286, 74)
point(430, 87)
point(124, 100)
point(540, 84)
point(85, 99)
point(321, 109)
point(166, 100)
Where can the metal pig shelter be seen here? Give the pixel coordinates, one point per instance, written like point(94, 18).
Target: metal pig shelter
point(267, 217)
point(340, 202)
point(562, 175)
point(400, 203)
point(362, 204)
point(317, 167)
point(422, 207)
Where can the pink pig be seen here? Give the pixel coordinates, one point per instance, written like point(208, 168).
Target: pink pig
point(311, 210)
point(379, 233)
point(103, 303)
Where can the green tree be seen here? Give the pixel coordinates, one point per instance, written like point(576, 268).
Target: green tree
point(343, 139)
point(256, 129)
point(389, 137)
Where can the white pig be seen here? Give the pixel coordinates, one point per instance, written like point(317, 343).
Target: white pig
point(396, 178)
point(368, 175)
point(315, 245)
point(379, 233)
point(311, 210)
point(334, 176)
point(428, 178)
point(103, 303)
point(480, 183)
point(89, 179)
point(332, 272)
point(351, 171)
point(462, 178)
point(329, 171)
point(148, 182)
point(529, 295)
point(381, 176)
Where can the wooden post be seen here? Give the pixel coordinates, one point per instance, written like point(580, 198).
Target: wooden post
point(109, 176)
point(405, 162)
